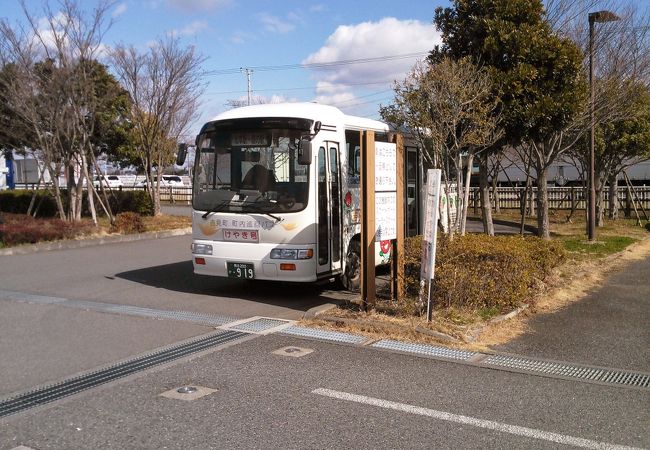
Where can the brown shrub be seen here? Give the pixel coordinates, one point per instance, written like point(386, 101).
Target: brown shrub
point(128, 223)
point(480, 271)
point(18, 229)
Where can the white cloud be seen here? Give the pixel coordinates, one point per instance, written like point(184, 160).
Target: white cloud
point(193, 28)
point(191, 6)
point(332, 93)
point(119, 10)
point(387, 38)
point(275, 24)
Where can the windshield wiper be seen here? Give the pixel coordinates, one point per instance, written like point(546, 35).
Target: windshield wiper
point(215, 209)
point(256, 203)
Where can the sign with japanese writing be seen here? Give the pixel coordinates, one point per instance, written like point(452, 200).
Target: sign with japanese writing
point(234, 235)
point(386, 215)
point(385, 167)
point(385, 191)
point(431, 214)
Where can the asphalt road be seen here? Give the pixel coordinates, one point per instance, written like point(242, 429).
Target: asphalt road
point(154, 273)
point(386, 400)
point(338, 396)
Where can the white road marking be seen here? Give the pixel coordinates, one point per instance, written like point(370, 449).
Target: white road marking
point(466, 420)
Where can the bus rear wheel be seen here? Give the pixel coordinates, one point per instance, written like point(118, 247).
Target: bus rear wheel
point(351, 277)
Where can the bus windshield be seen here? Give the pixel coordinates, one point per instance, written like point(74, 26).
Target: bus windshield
point(251, 166)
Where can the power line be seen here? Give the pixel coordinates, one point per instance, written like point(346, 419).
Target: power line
point(303, 88)
point(323, 65)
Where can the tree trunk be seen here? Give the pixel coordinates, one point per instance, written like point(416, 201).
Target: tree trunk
point(468, 176)
point(613, 197)
point(460, 193)
point(600, 192)
point(90, 190)
point(495, 192)
point(524, 203)
point(488, 225)
point(54, 176)
point(543, 227)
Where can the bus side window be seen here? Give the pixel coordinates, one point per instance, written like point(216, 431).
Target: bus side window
point(353, 144)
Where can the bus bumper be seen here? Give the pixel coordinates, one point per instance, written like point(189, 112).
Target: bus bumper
point(255, 256)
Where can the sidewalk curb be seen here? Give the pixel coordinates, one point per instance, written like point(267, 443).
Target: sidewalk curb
point(318, 310)
point(72, 244)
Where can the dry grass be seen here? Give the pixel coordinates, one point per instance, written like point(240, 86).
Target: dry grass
point(569, 283)
point(163, 223)
point(86, 230)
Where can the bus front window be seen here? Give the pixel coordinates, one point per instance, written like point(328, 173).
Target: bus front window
point(244, 170)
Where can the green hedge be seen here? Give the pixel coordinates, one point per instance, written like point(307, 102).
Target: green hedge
point(17, 202)
point(480, 271)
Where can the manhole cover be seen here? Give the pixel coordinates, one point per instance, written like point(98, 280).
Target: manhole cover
point(295, 352)
point(187, 390)
point(188, 393)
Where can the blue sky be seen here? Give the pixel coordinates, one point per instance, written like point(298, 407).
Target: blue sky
point(264, 34)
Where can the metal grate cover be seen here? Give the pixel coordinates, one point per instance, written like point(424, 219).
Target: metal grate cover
point(77, 384)
point(315, 333)
point(424, 349)
point(568, 370)
point(259, 325)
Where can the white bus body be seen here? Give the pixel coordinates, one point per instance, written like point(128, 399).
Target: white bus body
point(259, 212)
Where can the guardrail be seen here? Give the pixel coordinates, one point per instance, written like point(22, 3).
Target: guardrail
point(562, 198)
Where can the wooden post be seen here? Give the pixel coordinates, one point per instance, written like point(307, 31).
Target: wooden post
point(397, 253)
point(368, 287)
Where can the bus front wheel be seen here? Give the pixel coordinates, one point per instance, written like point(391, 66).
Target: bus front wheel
point(351, 277)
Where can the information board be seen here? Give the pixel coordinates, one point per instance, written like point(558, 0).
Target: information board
point(385, 191)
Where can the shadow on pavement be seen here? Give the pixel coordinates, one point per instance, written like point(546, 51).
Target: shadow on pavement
point(179, 277)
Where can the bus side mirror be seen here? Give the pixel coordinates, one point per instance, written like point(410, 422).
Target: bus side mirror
point(182, 153)
point(304, 152)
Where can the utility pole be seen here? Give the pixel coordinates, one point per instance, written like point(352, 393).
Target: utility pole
point(600, 17)
point(248, 73)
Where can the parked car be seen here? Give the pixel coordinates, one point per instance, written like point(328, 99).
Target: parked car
point(111, 181)
point(166, 181)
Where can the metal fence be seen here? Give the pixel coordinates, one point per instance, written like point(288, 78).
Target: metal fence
point(562, 198)
point(172, 194)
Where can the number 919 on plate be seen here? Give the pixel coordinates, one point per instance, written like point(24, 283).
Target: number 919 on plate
point(240, 270)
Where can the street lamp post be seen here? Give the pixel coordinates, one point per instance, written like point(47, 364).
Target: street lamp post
point(599, 16)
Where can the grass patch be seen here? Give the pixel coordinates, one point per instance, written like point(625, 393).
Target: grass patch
point(580, 248)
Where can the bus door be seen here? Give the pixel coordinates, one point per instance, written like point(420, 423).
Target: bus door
point(329, 209)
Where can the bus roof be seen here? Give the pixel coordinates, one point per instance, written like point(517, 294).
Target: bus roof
point(327, 115)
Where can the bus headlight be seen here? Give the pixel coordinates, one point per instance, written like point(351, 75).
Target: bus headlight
point(202, 249)
point(291, 253)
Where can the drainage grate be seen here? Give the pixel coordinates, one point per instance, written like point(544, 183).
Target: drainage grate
point(259, 325)
point(29, 298)
point(568, 370)
point(424, 349)
point(333, 336)
point(77, 384)
point(185, 316)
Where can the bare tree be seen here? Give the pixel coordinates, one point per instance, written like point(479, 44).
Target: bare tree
point(53, 93)
point(450, 104)
point(621, 52)
point(165, 85)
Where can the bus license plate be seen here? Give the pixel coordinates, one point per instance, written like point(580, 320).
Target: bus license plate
point(240, 270)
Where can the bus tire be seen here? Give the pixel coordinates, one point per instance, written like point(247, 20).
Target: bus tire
point(350, 279)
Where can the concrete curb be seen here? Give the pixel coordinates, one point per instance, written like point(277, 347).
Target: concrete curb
point(318, 310)
point(71, 244)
